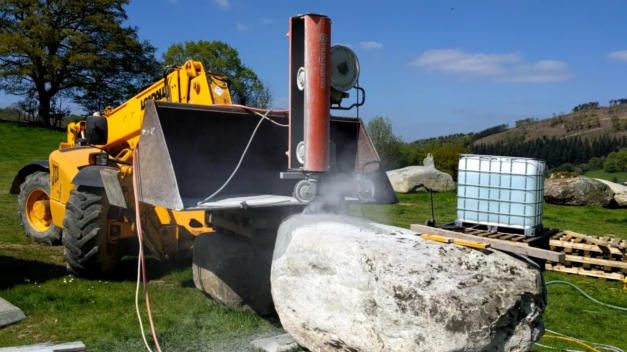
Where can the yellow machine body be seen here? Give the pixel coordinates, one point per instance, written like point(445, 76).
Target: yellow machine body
point(189, 142)
point(188, 84)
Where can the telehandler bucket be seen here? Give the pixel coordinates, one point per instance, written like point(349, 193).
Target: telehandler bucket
point(190, 152)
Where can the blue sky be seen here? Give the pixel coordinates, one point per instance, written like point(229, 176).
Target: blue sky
point(433, 68)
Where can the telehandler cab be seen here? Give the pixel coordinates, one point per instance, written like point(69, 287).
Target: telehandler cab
point(203, 163)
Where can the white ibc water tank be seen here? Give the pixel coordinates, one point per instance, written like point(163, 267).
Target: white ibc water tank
point(500, 191)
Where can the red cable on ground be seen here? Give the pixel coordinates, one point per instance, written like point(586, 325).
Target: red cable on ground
point(139, 226)
point(141, 246)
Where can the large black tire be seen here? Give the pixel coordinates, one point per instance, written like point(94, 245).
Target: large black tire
point(88, 252)
point(37, 182)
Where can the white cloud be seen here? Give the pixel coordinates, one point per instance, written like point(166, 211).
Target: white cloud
point(541, 71)
point(241, 27)
point(460, 62)
point(371, 45)
point(223, 4)
point(620, 55)
point(510, 67)
point(266, 20)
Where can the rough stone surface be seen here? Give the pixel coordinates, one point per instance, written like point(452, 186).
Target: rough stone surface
point(278, 343)
point(344, 284)
point(428, 161)
point(620, 192)
point(234, 270)
point(417, 178)
point(232, 264)
point(9, 314)
point(576, 190)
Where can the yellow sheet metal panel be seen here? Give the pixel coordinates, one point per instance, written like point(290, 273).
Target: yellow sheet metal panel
point(57, 210)
point(64, 166)
point(219, 89)
point(192, 221)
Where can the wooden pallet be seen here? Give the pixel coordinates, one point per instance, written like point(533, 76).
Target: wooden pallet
point(528, 248)
point(482, 231)
point(602, 257)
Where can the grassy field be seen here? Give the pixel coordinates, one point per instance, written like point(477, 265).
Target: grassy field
point(62, 308)
point(614, 176)
point(416, 209)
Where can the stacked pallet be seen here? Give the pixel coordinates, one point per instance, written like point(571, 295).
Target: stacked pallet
point(573, 253)
point(602, 257)
point(505, 236)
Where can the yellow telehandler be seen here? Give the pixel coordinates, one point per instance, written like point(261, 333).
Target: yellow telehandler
point(202, 162)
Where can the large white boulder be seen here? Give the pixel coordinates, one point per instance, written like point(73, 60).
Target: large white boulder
point(345, 284)
point(417, 178)
point(620, 192)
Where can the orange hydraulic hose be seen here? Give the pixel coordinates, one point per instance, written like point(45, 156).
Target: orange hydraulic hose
point(138, 224)
point(572, 340)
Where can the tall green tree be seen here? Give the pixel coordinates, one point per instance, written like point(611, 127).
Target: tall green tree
point(71, 48)
point(387, 144)
point(446, 158)
point(216, 56)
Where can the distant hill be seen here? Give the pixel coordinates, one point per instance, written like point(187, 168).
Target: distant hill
point(586, 123)
point(590, 131)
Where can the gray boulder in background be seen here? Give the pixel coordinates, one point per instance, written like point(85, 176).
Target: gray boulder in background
point(341, 283)
point(565, 189)
point(416, 178)
point(620, 192)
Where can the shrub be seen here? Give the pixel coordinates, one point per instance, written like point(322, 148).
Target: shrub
point(565, 167)
point(446, 158)
point(616, 161)
point(595, 163)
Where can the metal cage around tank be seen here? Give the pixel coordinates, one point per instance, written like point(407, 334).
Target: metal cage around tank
point(498, 191)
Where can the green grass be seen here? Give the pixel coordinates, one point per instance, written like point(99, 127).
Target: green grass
point(614, 176)
point(416, 209)
point(62, 308)
point(20, 145)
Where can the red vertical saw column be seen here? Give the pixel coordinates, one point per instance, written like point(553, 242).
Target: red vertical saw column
point(310, 45)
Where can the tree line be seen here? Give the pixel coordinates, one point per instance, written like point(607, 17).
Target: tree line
point(595, 104)
point(52, 52)
point(602, 152)
point(395, 153)
point(618, 102)
point(556, 151)
point(585, 106)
